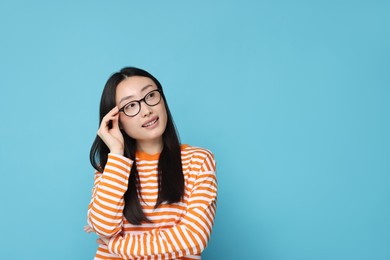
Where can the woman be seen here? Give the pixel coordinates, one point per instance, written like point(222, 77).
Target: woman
point(152, 197)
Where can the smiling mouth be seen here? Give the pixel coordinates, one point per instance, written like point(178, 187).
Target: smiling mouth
point(150, 123)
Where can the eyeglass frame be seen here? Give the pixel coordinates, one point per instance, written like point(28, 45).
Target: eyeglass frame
point(139, 102)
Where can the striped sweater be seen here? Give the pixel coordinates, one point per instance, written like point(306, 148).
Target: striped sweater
point(178, 231)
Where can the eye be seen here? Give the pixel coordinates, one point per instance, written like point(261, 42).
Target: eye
point(131, 105)
point(151, 95)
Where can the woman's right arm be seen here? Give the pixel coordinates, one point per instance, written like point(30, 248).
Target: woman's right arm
point(105, 211)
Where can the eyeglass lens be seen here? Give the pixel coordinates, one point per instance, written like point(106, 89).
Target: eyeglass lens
point(151, 99)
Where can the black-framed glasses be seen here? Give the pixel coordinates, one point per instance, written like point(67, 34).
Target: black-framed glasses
point(134, 107)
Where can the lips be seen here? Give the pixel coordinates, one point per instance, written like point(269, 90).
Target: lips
point(150, 122)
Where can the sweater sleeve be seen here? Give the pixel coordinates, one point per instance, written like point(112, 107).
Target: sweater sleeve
point(189, 237)
point(105, 211)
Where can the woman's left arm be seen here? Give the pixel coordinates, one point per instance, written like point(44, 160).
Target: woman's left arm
point(189, 237)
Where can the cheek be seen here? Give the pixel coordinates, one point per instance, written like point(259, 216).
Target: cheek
point(127, 125)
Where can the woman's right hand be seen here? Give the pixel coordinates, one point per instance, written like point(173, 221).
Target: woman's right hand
point(112, 137)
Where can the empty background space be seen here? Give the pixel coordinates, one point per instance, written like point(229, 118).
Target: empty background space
point(292, 97)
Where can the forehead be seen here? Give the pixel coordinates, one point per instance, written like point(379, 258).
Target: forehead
point(134, 87)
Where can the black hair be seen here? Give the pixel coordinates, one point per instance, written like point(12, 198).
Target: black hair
point(170, 172)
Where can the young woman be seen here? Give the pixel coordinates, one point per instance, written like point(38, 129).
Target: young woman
point(153, 198)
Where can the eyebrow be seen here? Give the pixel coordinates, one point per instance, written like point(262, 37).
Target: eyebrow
point(128, 97)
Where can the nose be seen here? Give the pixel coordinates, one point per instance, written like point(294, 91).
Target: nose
point(145, 109)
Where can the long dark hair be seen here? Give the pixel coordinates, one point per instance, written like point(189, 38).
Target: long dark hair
point(170, 173)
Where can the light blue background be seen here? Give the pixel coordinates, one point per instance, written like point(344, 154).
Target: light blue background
point(291, 96)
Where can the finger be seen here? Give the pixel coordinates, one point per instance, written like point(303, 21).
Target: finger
point(109, 117)
point(105, 123)
point(115, 122)
point(116, 110)
point(88, 229)
point(106, 120)
point(100, 241)
point(113, 111)
point(104, 126)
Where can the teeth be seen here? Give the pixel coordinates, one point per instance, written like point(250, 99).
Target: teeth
point(151, 123)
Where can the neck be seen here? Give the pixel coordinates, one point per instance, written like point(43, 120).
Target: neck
point(150, 147)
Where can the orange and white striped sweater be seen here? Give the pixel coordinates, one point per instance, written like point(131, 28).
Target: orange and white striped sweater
point(178, 231)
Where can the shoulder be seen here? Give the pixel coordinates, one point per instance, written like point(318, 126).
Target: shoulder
point(198, 154)
point(196, 151)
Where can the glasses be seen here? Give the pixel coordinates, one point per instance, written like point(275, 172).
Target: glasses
point(134, 107)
